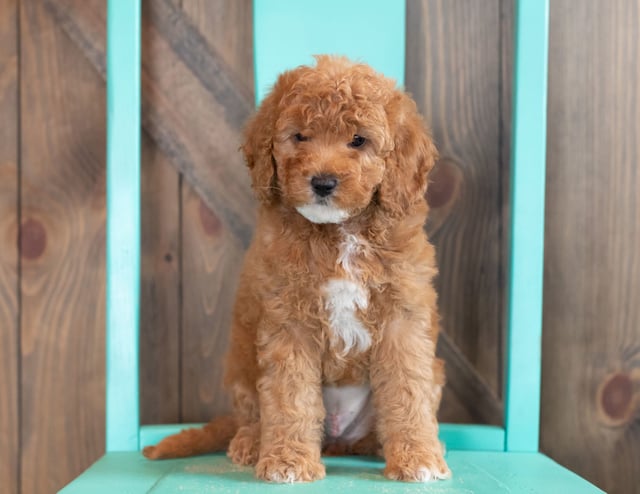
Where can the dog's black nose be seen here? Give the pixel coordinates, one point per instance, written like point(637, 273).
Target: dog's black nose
point(324, 185)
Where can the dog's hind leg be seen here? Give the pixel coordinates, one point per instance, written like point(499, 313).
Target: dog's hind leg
point(245, 446)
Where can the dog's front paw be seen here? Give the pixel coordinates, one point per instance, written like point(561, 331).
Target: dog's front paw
point(293, 469)
point(244, 447)
point(417, 466)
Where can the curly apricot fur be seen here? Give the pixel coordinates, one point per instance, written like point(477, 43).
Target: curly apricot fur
point(280, 351)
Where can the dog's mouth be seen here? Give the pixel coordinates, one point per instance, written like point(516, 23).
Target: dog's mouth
point(323, 211)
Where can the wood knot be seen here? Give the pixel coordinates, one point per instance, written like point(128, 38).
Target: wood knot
point(210, 222)
point(616, 402)
point(33, 239)
point(445, 183)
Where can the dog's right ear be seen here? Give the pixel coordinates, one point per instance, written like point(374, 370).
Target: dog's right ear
point(258, 142)
point(258, 148)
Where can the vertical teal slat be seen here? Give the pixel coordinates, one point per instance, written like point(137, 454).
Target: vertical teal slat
point(524, 320)
point(287, 33)
point(123, 223)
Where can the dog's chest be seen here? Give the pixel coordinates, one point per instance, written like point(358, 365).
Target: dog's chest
point(346, 298)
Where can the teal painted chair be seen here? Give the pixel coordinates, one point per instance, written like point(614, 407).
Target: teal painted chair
point(484, 459)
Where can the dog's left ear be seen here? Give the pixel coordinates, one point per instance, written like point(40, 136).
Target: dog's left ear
point(411, 159)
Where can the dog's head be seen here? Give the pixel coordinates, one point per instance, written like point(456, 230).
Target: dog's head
point(330, 140)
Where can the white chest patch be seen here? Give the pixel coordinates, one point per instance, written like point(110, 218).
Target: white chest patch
point(342, 299)
point(345, 296)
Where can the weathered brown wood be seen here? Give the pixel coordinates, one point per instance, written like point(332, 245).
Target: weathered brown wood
point(204, 60)
point(211, 254)
point(453, 71)
point(591, 357)
point(196, 123)
point(62, 255)
point(210, 271)
point(213, 20)
point(474, 392)
point(160, 288)
point(9, 336)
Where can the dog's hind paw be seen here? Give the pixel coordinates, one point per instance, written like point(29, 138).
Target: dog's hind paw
point(245, 446)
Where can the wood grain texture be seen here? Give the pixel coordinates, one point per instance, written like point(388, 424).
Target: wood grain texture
point(454, 73)
point(160, 288)
point(193, 103)
point(9, 336)
point(211, 264)
point(212, 255)
point(468, 387)
point(591, 357)
point(205, 115)
point(62, 250)
point(228, 27)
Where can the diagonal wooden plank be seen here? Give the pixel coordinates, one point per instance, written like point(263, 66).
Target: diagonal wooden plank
point(466, 382)
point(205, 63)
point(193, 104)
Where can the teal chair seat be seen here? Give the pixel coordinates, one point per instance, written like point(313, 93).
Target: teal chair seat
point(477, 472)
point(484, 459)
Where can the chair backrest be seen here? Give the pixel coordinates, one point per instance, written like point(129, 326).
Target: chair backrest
point(286, 34)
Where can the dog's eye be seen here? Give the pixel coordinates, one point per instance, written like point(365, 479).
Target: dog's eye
point(357, 141)
point(300, 138)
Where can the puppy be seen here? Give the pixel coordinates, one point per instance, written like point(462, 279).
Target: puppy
point(335, 321)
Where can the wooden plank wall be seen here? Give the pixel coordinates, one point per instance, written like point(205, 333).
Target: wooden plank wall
point(62, 165)
point(212, 253)
point(198, 217)
point(455, 76)
point(9, 264)
point(591, 359)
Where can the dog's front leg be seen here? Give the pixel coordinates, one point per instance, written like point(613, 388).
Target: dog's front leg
point(403, 384)
point(291, 410)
